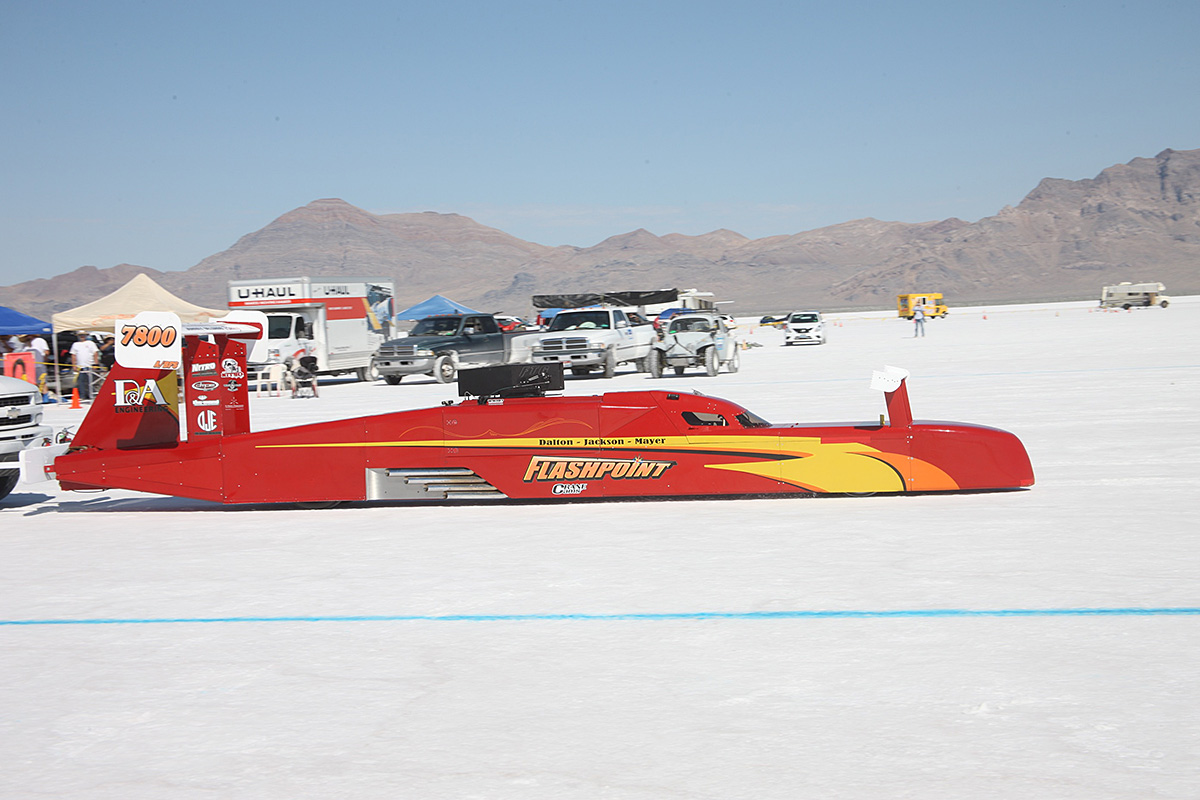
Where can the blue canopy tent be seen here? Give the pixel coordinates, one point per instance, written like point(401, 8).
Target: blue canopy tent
point(14, 323)
point(434, 305)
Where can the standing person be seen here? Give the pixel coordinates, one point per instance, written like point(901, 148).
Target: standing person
point(108, 352)
point(919, 322)
point(41, 354)
point(84, 357)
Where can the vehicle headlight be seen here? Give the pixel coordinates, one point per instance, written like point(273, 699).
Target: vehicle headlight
point(424, 353)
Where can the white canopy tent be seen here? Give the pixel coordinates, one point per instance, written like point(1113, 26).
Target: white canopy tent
point(139, 294)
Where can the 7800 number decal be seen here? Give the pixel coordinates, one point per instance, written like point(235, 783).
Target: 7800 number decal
point(148, 335)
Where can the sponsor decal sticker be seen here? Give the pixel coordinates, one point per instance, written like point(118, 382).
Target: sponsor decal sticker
point(230, 369)
point(205, 368)
point(569, 488)
point(207, 421)
point(205, 386)
point(204, 400)
point(233, 386)
point(542, 468)
point(139, 397)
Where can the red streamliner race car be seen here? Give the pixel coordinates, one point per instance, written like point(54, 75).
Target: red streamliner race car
point(509, 441)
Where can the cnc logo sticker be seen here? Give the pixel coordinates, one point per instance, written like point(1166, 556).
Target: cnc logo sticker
point(205, 386)
point(567, 469)
point(207, 421)
point(138, 397)
point(230, 369)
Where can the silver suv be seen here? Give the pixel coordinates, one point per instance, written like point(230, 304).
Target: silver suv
point(20, 427)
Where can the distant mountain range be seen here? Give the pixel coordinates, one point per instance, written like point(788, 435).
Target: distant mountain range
point(1138, 221)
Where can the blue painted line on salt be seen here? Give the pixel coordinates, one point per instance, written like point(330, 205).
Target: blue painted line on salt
point(634, 617)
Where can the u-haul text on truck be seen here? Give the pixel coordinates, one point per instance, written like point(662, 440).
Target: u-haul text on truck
point(339, 321)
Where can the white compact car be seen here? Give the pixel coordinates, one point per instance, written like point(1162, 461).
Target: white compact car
point(804, 327)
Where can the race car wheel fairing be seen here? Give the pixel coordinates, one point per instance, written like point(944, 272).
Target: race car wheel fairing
point(444, 370)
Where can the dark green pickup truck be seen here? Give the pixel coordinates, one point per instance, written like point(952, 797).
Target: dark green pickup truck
point(441, 345)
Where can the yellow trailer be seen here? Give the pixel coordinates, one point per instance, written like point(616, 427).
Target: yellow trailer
point(906, 304)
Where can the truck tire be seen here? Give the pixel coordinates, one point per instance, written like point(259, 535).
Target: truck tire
point(735, 363)
point(444, 369)
point(1163, 303)
point(393, 380)
point(710, 361)
point(655, 360)
point(364, 374)
point(610, 364)
point(8, 483)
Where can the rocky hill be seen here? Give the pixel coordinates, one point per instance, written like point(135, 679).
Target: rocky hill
point(1138, 221)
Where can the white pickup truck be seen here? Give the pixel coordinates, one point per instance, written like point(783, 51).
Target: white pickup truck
point(20, 427)
point(584, 339)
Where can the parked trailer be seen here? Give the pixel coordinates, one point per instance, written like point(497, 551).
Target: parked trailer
point(340, 321)
point(931, 302)
point(1133, 295)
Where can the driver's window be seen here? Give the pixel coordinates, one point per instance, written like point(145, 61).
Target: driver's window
point(703, 418)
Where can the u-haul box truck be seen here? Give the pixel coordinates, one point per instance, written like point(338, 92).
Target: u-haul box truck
point(340, 321)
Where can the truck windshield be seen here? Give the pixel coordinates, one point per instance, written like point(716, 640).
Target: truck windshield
point(279, 326)
point(694, 324)
point(436, 326)
point(579, 320)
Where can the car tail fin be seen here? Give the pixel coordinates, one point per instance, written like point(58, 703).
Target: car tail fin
point(892, 382)
point(134, 408)
point(145, 404)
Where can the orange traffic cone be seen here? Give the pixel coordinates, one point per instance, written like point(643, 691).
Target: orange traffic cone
point(75, 399)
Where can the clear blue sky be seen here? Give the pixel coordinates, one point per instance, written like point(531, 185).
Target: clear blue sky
point(158, 133)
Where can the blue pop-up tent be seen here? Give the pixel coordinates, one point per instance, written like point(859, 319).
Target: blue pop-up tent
point(14, 323)
point(434, 305)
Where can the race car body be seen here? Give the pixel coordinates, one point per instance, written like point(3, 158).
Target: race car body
point(644, 444)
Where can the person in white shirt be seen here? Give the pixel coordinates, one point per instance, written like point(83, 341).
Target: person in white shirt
point(41, 352)
point(84, 357)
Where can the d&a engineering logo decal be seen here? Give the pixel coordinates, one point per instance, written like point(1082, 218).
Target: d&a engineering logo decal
point(140, 397)
point(557, 470)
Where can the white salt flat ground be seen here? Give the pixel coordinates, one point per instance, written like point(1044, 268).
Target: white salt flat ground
point(915, 706)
